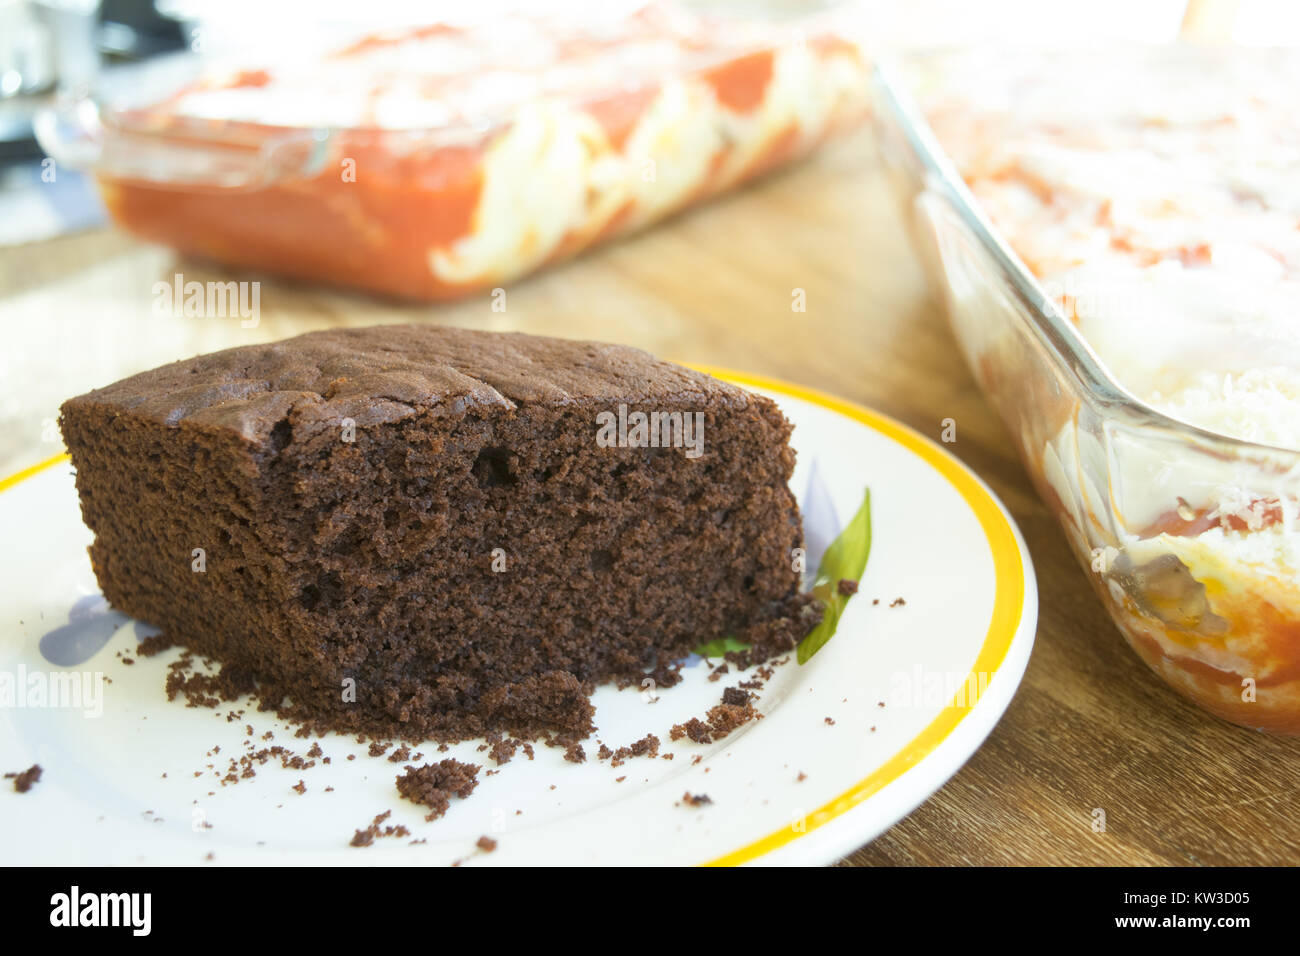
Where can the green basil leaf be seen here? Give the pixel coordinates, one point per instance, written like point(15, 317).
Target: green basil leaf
point(845, 558)
point(721, 646)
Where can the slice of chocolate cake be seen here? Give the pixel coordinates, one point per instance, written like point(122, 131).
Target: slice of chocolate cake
point(436, 532)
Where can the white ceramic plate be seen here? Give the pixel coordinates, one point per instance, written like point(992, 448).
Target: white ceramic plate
point(850, 742)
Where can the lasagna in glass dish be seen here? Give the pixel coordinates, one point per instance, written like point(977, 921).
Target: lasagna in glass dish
point(1118, 238)
point(427, 162)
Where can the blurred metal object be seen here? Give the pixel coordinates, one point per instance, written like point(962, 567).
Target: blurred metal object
point(72, 26)
point(26, 50)
point(135, 30)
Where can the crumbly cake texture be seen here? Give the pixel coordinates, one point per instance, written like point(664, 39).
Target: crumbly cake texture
point(413, 531)
point(26, 779)
point(434, 784)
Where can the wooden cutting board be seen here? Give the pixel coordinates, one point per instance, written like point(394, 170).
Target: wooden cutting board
point(1090, 729)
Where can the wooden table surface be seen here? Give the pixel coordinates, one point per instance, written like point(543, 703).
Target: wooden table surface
point(1090, 727)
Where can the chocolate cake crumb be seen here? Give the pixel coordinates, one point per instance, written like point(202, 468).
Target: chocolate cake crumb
point(696, 729)
point(735, 710)
point(830, 722)
point(736, 696)
point(376, 829)
point(724, 718)
point(897, 602)
point(26, 779)
point(202, 689)
point(666, 674)
point(575, 754)
point(742, 660)
point(847, 587)
point(377, 749)
point(400, 755)
point(153, 645)
point(504, 750)
point(647, 746)
point(299, 787)
point(486, 844)
point(434, 784)
point(696, 799)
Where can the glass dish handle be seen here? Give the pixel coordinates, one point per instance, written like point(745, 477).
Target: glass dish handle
point(74, 134)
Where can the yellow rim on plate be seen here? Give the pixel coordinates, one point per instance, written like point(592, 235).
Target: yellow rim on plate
point(1008, 605)
point(1008, 601)
point(7, 483)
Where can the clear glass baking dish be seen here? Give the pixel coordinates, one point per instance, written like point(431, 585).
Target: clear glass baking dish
point(1212, 608)
point(430, 160)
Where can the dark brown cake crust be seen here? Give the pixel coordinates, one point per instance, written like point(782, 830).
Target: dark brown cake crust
point(413, 529)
